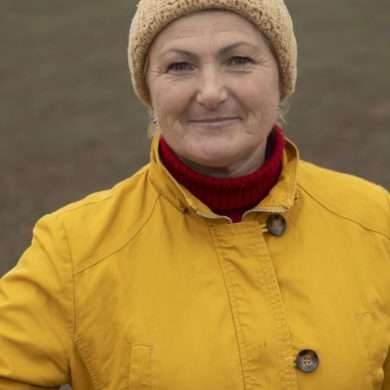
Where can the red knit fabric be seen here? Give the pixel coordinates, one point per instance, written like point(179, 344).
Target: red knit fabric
point(229, 196)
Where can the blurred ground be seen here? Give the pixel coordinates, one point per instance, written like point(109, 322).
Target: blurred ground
point(70, 125)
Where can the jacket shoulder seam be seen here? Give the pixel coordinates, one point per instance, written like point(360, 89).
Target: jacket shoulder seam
point(356, 222)
point(132, 236)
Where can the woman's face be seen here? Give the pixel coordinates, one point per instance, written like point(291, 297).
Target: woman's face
point(214, 86)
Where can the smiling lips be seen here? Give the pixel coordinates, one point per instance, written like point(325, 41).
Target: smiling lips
point(215, 122)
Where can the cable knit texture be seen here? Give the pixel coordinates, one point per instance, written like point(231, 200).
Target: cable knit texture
point(231, 196)
point(271, 17)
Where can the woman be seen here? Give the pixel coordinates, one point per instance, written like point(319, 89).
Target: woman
point(227, 262)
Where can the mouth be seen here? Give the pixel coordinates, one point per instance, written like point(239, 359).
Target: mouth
point(215, 122)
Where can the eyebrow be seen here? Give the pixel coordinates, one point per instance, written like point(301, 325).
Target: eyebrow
point(224, 50)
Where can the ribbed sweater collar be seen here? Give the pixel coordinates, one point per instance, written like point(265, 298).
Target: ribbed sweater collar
point(229, 196)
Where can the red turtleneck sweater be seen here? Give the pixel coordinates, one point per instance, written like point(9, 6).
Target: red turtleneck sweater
point(229, 196)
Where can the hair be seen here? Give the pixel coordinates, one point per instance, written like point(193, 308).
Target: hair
point(283, 109)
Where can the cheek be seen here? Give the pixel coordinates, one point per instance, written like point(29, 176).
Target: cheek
point(260, 98)
point(170, 101)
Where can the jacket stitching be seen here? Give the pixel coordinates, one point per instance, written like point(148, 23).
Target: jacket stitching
point(276, 304)
point(89, 364)
point(243, 344)
point(150, 372)
point(342, 216)
point(370, 366)
point(73, 322)
point(127, 242)
point(233, 310)
point(252, 381)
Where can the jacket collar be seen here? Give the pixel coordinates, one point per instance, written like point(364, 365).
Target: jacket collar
point(280, 199)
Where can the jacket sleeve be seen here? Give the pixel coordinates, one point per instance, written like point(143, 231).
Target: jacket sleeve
point(386, 369)
point(36, 313)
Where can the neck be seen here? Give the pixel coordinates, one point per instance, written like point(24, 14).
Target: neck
point(239, 168)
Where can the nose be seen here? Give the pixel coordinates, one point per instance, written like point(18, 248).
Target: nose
point(212, 90)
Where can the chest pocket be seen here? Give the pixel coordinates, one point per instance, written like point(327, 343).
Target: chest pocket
point(140, 368)
point(374, 346)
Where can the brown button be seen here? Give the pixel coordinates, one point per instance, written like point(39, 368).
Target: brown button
point(307, 361)
point(276, 224)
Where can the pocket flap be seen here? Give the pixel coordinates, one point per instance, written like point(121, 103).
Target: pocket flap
point(140, 375)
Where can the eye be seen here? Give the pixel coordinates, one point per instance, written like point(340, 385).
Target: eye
point(240, 60)
point(179, 66)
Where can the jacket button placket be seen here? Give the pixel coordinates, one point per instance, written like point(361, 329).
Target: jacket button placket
point(277, 227)
point(258, 312)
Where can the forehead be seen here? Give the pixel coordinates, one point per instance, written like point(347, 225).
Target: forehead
point(200, 26)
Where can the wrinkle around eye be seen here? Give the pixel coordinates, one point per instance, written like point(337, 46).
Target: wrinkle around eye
point(156, 71)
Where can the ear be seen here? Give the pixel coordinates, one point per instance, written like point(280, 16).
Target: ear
point(280, 88)
point(153, 126)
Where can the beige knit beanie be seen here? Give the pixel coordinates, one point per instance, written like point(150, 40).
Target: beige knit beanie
point(270, 16)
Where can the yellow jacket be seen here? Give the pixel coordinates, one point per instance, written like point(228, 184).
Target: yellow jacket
point(143, 287)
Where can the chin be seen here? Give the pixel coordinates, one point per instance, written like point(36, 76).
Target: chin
point(214, 160)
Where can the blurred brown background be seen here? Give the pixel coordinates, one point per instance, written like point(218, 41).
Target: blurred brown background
point(70, 125)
